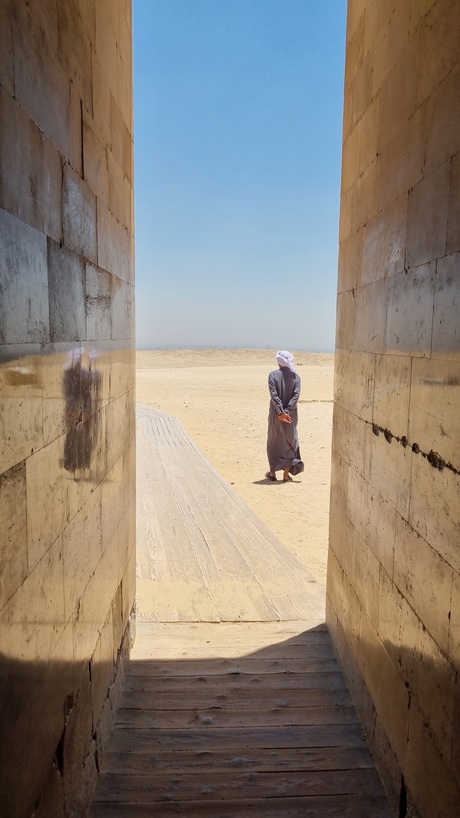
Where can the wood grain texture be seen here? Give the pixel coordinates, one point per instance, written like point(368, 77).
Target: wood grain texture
point(203, 555)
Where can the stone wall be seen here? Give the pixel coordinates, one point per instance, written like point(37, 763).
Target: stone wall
point(394, 563)
point(67, 459)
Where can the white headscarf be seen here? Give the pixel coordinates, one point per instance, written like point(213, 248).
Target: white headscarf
point(285, 358)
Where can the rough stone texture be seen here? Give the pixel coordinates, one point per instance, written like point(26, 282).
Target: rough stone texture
point(66, 395)
point(394, 564)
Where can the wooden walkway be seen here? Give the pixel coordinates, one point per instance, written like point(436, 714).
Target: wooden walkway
point(234, 704)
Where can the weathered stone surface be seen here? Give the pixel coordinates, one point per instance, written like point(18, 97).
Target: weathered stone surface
point(393, 569)
point(66, 388)
point(24, 315)
point(79, 215)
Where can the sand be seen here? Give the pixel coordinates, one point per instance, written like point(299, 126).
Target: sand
point(221, 398)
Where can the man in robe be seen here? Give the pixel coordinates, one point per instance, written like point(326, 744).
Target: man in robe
point(282, 440)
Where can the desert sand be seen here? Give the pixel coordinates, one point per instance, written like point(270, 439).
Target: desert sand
point(221, 398)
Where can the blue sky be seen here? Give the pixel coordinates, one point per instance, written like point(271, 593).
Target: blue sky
point(238, 130)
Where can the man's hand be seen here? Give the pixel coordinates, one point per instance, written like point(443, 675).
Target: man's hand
point(285, 418)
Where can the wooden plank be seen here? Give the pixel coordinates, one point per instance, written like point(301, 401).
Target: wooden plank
point(232, 634)
point(231, 700)
point(330, 806)
point(235, 667)
point(208, 739)
point(267, 717)
point(319, 649)
point(216, 684)
point(236, 786)
point(261, 760)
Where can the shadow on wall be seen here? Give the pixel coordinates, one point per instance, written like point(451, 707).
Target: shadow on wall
point(52, 733)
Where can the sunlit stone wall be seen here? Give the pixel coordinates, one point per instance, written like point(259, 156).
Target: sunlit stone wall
point(394, 563)
point(66, 393)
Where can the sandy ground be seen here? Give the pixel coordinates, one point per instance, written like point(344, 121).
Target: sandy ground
point(221, 398)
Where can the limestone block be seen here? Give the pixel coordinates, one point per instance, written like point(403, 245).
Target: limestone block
point(79, 215)
point(125, 92)
point(391, 41)
point(401, 160)
point(371, 300)
point(430, 678)
point(22, 432)
point(346, 213)
point(101, 101)
point(392, 379)
point(350, 261)
point(369, 135)
point(426, 775)
point(425, 580)
point(389, 469)
point(384, 242)
point(361, 91)
point(355, 11)
point(354, 382)
point(410, 311)
point(453, 219)
point(116, 189)
point(95, 162)
point(381, 530)
point(350, 158)
point(102, 668)
point(6, 46)
point(386, 687)
point(342, 598)
point(113, 506)
point(113, 13)
point(98, 303)
point(121, 140)
point(46, 499)
point(427, 218)
point(66, 284)
point(418, 11)
point(33, 620)
point(342, 534)
point(346, 320)
point(442, 110)
point(24, 315)
point(75, 50)
point(129, 586)
point(390, 625)
point(36, 692)
point(122, 309)
point(88, 17)
point(433, 416)
point(114, 245)
point(121, 378)
point(355, 46)
point(349, 438)
point(106, 47)
point(396, 94)
point(44, 91)
point(434, 508)
point(31, 180)
point(125, 39)
point(82, 549)
point(118, 428)
point(439, 44)
point(365, 196)
point(13, 510)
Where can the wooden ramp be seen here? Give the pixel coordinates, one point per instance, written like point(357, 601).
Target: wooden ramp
point(202, 554)
point(234, 704)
